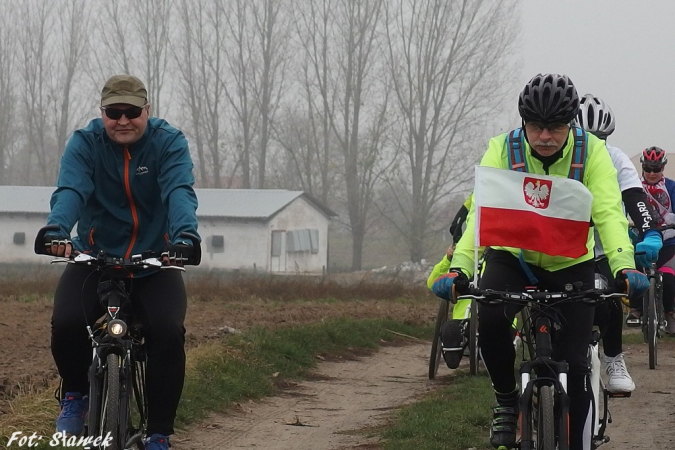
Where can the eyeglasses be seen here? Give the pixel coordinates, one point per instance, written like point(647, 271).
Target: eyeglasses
point(116, 114)
point(551, 127)
point(652, 169)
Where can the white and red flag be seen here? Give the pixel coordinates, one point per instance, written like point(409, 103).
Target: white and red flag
point(534, 212)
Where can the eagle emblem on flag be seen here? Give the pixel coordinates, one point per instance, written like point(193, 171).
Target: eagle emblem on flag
point(537, 192)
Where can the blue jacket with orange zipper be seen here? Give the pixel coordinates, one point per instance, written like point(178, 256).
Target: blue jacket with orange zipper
point(125, 200)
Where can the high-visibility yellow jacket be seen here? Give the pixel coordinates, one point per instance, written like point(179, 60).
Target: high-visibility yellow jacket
point(606, 212)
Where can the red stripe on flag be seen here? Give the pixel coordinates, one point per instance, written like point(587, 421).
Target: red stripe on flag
point(530, 231)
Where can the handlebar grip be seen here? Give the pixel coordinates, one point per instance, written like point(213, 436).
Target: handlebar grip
point(196, 258)
point(39, 246)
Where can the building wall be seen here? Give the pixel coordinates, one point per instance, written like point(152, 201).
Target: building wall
point(297, 216)
point(245, 244)
point(29, 225)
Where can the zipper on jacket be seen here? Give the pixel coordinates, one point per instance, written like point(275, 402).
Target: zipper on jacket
point(132, 205)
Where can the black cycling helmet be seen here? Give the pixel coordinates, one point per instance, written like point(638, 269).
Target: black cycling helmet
point(653, 157)
point(549, 98)
point(595, 116)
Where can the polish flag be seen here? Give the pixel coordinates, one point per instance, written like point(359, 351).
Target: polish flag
point(541, 213)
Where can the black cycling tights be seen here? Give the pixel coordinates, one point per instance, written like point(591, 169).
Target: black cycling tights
point(503, 271)
point(163, 304)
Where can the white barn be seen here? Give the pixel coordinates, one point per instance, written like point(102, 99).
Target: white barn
point(269, 230)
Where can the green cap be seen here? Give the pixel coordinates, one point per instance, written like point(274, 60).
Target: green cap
point(124, 89)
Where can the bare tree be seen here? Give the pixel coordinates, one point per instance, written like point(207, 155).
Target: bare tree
point(201, 63)
point(314, 28)
point(271, 28)
point(8, 101)
point(448, 61)
point(117, 35)
point(238, 81)
point(340, 40)
point(73, 20)
point(36, 60)
point(152, 23)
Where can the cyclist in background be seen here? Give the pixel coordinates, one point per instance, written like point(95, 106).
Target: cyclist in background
point(547, 105)
point(126, 180)
point(660, 192)
point(596, 117)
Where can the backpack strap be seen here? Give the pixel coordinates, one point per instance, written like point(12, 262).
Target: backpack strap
point(517, 159)
point(518, 162)
point(578, 155)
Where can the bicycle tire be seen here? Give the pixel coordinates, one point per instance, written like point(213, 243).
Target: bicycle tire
point(652, 324)
point(473, 338)
point(111, 402)
point(527, 334)
point(436, 346)
point(95, 388)
point(546, 439)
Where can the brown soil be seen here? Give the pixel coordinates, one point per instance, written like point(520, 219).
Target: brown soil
point(341, 409)
point(344, 396)
point(25, 357)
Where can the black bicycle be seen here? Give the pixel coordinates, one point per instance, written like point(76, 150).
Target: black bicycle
point(118, 406)
point(544, 403)
point(652, 320)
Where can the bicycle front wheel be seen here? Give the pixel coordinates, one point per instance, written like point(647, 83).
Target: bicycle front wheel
point(436, 346)
point(545, 415)
point(473, 338)
point(111, 403)
point(652, 324)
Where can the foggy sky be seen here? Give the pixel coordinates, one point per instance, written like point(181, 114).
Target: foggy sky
point(622, 51)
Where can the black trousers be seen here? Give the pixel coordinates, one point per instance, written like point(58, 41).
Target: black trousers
point(503, 271)
point(609, 317)
point(160, 301)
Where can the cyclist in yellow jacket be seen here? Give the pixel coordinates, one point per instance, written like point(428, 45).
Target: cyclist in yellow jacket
point(547, 106)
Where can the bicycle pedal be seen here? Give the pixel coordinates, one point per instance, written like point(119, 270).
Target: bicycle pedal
point(618, 394)
point(633, 323)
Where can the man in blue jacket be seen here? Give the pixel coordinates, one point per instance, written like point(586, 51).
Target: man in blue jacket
point(126, 180)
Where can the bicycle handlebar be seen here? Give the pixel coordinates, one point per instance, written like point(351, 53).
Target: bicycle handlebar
point(136, 262)
point(493, 297)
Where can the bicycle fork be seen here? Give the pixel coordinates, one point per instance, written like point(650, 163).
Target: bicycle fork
point(549, 373)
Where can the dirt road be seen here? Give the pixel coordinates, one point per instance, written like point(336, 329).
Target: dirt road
point(328, 412)
point(345, 397)
point(646, 420)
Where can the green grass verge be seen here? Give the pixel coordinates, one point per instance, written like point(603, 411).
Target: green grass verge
point(251, 365)
point(454, 418)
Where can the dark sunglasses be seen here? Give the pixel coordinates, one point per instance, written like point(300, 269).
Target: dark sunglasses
point(116, 114)
point(652, 169)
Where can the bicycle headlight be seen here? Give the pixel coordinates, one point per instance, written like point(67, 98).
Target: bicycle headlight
point(117, 328)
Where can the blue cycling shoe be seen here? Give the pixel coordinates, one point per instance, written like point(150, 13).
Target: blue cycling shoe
point(71, 419)
point(157, 442)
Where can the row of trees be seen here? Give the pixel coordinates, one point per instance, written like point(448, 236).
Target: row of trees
point(378, 108)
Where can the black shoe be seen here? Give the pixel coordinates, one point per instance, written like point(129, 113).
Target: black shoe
point(453, 348)
point(504, 427)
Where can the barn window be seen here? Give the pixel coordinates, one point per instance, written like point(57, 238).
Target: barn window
point(305, 245)
point(217, 241)
point(215, 244)
point(276, 243)
point(19, 238)
point(292, 244)
point(314, 240)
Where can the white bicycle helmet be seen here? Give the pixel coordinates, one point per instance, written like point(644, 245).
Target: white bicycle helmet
point(595, 116)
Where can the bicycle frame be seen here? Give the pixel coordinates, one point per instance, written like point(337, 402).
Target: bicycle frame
point(542, 378)
point(124, 357)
